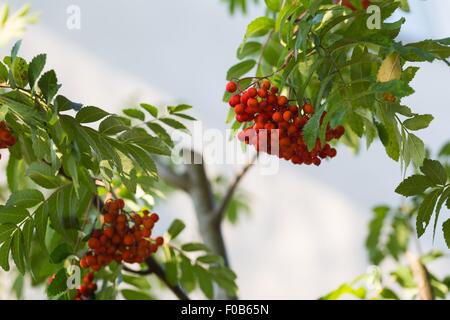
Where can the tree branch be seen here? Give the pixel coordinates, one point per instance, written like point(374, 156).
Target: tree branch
point(176, 180)
point(421, 276)
point(221, 209)
point(155, 268)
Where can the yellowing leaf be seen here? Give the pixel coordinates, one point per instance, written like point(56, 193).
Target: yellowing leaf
point(390, 69)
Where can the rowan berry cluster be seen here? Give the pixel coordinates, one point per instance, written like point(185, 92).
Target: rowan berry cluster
point(123, 237)
point(7, 140)
point(87, 289)
point(267, 113)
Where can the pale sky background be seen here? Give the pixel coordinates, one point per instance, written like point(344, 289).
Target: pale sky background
point(307, 229)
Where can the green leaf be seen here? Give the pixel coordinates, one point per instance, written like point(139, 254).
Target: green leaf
point(239, 69)
point(134, 113)
point(445, 150)
point(41, 221)
point(15, 172)
point(64, 104)
point(3, 73)
point(187, 278)
point(210, 259)
point(205, 281)
point(426, 209)
point(375, 227)
point(194, 246)
point(18, 251)
point(311, 130)
point(12, 215)
point(435, 171)
point(113, 125)
point(171, 270)
point(150, 109)
point(160, 132)
point(414, 185)
point(178, 108)
point(60, 253)
point(274, 5)
point(248, 49)
point(396, 87)
point(27, 230)
point(25, 198)
point(418, 122)
point(4, 254)
point(43, 175)
point(444, 196)
point(19, 70)
point(59, 284)
point(174, 124)
point(259, 27)
point(138, 282)
point(90, 114)
point(6, 230)
point(49, 85)
point(175, 228)
point(35, 69)
point(416, 149)
point(446, 230)
point(130, 294)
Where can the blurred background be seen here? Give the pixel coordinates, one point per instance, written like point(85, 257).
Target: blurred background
point(306, 232)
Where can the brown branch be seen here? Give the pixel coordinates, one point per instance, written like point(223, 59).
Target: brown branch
point(155, 268)
point(222, 208)
point(422, 277)
point(176, 180)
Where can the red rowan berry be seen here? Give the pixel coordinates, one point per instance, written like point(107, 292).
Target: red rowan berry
point(108, 218)
point(287, 115)
point(277, 117)
point(262, 93)
point(265, 84)
point(93, 243)
point(308, 108)
point(128, 240)
point(160, 241)
point(239, 109)
point(231, 86)
point(282, 101)
point(154, 217)
point(234, 100)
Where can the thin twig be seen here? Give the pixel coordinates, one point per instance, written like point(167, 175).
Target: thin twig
point(221, 210)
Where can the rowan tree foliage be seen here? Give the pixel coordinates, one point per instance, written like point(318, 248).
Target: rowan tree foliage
point(83, 181)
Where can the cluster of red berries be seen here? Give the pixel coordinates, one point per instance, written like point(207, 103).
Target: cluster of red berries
point(123, 237)
point(7, 140)
point(87, 289)
point(265, 112)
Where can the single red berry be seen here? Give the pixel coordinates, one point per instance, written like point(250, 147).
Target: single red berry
point(277, 117)
point(234, 100)
point(231, 86)
point(252, 92)
point(287, 115)
point(154, 217)
point(265, 84)
point(282, 101)
point(160, 241)
point(308, 108)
